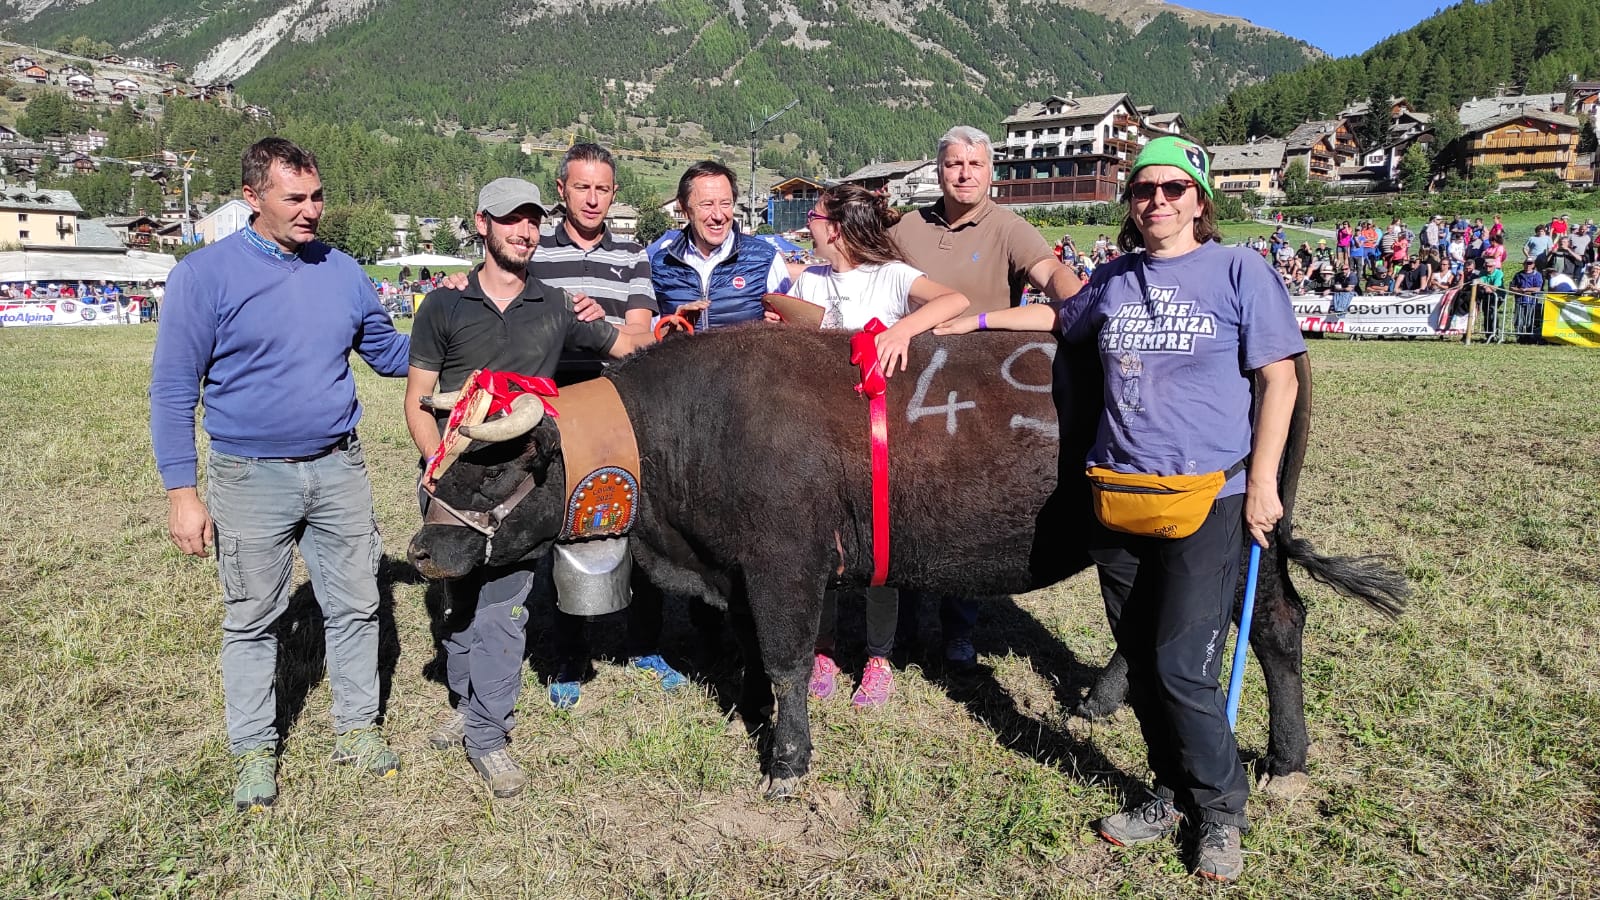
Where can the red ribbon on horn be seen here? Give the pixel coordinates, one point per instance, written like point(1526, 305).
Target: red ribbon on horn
point(864, 353)
point(504, 387)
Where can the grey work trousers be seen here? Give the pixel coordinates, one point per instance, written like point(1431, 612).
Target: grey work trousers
point(260, 509)
point(484, 648)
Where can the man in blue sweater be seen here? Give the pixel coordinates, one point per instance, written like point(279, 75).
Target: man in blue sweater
point(264, 322)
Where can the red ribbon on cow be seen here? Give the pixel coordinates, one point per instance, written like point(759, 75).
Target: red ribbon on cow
point(864, 353)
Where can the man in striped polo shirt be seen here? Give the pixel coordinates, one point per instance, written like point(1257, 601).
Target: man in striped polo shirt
point(580, 254)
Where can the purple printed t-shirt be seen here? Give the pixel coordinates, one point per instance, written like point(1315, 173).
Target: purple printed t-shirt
point(1177, 339)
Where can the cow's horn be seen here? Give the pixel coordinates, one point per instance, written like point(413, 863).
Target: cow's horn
point(526, 411)
point(441, 401)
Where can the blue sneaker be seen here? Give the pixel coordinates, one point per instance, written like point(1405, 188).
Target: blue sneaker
point(655, 668)
point(566, 694)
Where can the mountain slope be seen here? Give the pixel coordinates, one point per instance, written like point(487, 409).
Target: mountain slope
point(1468, 50)
point(850, 62)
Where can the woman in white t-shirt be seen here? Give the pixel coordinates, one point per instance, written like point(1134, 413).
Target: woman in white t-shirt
point(866, 278)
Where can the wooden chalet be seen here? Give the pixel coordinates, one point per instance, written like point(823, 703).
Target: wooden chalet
point(113, 59)
point(1525, 142)
point(20, 63)
point(36, 74)
point(1324, 146)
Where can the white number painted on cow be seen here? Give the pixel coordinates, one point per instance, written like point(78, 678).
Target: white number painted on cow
point(950, 407)
point(1019, 420)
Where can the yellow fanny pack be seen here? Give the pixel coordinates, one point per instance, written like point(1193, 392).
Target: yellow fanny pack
point(1165, 506)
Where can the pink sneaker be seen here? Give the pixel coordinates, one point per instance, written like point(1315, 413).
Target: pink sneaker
point(877, 683)
point(824, 676)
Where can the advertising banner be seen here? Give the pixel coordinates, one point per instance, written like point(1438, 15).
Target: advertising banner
point(1419, 314)
point(1572, 319)
point(67, 312)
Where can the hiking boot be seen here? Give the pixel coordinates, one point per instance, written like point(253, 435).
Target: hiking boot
point(824, 677)
point(258, 780)
point(450, 733)
point(1218, 855)
point(877, 683)
point(504, 777)
point(656, 669)
point(960, 655)
point(366, 748)
point(1150, 820)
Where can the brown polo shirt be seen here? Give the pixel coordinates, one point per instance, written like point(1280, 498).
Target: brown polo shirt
point(985, 255)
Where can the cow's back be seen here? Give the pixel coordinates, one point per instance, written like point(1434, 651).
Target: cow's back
point(755, 442)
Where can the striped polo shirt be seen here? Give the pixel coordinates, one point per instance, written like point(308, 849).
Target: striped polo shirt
point(616, 272)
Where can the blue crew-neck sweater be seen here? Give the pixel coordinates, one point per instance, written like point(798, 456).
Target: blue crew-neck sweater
point(268, 341)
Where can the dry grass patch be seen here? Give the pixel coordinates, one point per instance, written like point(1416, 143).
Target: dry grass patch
point(1453, 750)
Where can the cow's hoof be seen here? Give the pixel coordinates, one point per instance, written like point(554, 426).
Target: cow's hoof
point(780, 788)
point(1285, 787)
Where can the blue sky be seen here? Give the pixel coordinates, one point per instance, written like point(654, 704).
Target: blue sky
point(1341, 27)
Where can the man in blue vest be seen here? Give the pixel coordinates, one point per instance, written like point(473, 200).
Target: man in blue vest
point(711, 262)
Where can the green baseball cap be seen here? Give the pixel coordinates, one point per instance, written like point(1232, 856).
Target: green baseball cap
point(1175, 151)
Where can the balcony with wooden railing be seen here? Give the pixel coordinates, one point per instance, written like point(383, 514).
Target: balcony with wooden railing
point(1081, 189)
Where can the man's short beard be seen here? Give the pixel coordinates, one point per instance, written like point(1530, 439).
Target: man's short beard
point(497, 250)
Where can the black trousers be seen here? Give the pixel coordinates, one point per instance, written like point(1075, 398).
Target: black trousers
point(1169, 603)
point(883, 615)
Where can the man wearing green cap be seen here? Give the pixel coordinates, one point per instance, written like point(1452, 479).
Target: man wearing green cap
point(1182, 326)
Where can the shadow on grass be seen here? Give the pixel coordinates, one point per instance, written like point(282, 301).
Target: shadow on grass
point(302, 648)
point(1004, 628)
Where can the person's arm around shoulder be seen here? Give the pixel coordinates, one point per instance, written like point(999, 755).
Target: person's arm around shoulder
point(385, 349)
point(932, 304)
point(183, 355)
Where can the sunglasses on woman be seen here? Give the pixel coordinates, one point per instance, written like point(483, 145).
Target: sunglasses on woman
point(814, 216)
point(1145, 191)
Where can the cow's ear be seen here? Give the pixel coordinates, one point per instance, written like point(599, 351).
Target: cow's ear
point(544, 445)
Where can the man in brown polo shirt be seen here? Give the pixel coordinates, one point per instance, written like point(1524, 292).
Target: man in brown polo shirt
point(967, 242)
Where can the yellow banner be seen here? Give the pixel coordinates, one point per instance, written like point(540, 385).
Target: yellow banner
point(1572, 320)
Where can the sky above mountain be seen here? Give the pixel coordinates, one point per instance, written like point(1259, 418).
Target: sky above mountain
point(1340, 28)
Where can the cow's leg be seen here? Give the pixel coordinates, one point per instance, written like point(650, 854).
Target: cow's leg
point(754, 705)
point(786, 603)
point(1109, 692)
point(1277, 637)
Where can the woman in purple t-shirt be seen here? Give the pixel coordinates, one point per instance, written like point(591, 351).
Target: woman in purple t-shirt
point(1180, 329)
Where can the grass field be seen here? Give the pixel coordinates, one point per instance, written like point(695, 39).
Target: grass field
point(1454, 751)
point(1232, 233)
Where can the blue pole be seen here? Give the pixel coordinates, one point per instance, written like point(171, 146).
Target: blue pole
point(1241, 647)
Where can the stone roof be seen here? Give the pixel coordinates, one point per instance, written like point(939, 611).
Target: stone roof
point(1475, 110)
point(1553, 118)
point(896, 169)
point(1159, 119)
point(19, 197)
point(1307, 134)
point(1072, 108)
point(96, 233)
point(1242, 157)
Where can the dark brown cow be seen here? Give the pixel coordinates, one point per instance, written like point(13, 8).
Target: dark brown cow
point(755, 476)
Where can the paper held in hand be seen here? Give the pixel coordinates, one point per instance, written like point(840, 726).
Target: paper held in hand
point(794, 311)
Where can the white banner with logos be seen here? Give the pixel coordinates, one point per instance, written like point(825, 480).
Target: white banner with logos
point(1418, 314)
point(66, 311)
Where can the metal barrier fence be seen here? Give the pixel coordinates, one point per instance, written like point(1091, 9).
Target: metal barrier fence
point(1499, 315)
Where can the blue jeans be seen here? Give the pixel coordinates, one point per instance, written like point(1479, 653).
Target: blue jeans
point(261, 508)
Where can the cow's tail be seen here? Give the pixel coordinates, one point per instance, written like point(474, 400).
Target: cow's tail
point(1370, 579)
